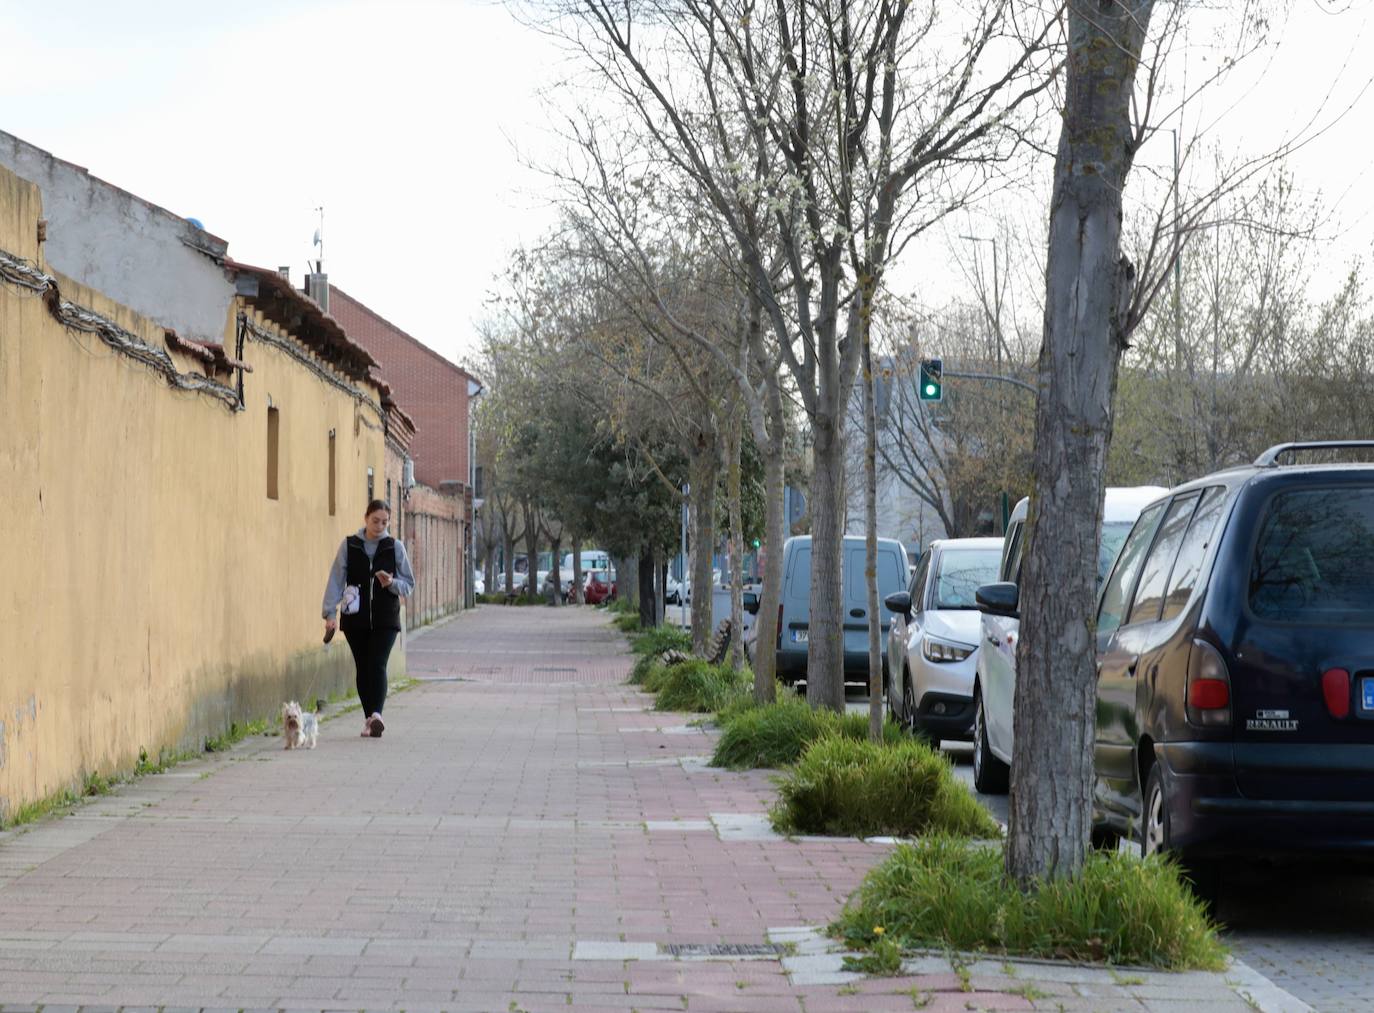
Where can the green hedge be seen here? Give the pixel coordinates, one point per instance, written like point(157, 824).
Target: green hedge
point(942, 893)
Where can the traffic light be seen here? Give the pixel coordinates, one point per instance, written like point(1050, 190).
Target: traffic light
point(757, 543)
point(932, 380)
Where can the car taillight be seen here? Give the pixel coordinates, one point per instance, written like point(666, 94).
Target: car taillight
point(1336, 691)
point(1209, 687)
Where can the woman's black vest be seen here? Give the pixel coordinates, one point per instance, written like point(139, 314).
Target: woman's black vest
point(379, 608)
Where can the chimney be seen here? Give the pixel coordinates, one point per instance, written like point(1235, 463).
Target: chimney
point(285, 271)
point(317, 288)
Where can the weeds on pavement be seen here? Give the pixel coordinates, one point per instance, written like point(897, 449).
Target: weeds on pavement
point(943, 893)
point(866, 789)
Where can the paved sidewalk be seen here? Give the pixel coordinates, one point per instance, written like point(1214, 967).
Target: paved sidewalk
point(527, 836)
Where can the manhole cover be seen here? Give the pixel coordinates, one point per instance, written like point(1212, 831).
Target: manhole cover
point(724, 949)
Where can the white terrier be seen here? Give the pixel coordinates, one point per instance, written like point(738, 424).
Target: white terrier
point(299, 728)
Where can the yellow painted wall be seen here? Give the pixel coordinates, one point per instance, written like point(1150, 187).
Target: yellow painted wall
point(152, 592)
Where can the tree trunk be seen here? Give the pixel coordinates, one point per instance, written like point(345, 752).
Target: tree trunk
point(1087, 283)
point(509, 548)
point(733, 442)
point(577, 571)
point(648, 600)
point(775, 533)
point(825, 638)
point(875, 617)
point(554, 570)
point(627, 578)
point(705, 467)
point(661, 570)
point(531, 551)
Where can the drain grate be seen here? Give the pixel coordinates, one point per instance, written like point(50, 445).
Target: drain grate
point(724, 949)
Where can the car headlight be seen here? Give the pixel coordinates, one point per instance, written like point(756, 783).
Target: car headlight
point(939, 650)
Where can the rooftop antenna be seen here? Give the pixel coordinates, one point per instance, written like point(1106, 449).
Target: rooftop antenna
point(319, 242)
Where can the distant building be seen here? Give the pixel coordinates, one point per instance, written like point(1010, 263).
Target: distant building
point(434, 393)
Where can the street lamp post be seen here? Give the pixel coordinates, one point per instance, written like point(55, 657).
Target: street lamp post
point(475, 391)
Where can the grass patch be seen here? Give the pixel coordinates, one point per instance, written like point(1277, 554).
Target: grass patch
point(940, 893)
point(650, 644)
point(657, 639)
point(697, 686)
point(776, 734)
point(858, 788)
point(236, 734)
point(626, 622)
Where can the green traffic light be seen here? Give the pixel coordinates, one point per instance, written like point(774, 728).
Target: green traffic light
point(930, 389)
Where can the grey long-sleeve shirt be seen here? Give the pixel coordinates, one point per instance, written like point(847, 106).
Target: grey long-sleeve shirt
point(402, 581)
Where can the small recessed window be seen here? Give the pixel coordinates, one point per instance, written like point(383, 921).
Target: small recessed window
point(332, 466)
point(370, 494)
point(273, 429)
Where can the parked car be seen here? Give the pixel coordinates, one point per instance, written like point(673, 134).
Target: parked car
point(994, 688)
point(1235, 648)
point(479, 585)
point(936, 630)
point(794, 611)
point(600, 587)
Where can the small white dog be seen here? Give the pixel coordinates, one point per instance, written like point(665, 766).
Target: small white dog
point(299, 728)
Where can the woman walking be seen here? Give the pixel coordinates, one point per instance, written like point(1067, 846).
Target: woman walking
point(370, 576)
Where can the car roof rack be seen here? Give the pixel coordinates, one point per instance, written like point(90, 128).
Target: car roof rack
point(1270, 458)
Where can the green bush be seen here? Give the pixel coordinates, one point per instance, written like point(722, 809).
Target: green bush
point(626, 622)
point(858, 788)
point(941, 893)
point(777, 734)
point(697, 686)
point(657, 639)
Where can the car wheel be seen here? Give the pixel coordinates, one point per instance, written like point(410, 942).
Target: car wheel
point(990, 775)
point(1155, 838)
point(1104, 838)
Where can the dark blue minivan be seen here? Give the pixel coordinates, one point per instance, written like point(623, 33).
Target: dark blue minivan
point(1235, 652)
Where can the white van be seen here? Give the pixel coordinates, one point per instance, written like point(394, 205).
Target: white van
point(994, 685)
point(592, 559)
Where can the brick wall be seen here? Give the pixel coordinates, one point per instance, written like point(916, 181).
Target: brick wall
point(429, 388)
point(435, 537)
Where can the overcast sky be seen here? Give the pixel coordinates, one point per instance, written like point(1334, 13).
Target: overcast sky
point(406, 120)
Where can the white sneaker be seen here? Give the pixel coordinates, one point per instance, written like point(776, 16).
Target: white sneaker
point(376, 726)
point(367, 728)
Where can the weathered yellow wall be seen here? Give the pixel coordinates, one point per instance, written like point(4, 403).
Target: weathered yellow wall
point(152, 592)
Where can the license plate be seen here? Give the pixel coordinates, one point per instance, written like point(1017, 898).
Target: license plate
point(799, 637)
point(1367, 693)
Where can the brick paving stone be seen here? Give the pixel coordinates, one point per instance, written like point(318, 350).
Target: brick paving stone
point(454, 864)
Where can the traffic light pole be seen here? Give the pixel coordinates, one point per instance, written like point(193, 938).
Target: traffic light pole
point(991, 376)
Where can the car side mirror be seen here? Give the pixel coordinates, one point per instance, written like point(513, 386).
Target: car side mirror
point(751, 603)
point(899, 602)
point(1001, 599)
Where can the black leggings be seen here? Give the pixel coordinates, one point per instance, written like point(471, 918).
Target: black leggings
point(371, 648)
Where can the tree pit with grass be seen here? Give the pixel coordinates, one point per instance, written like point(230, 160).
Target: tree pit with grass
point(943, 893)
point(856, 788)
point(651, 645)
point(697, 686)
point(777, 733)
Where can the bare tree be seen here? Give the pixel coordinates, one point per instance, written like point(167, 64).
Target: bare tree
point(849, 105)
